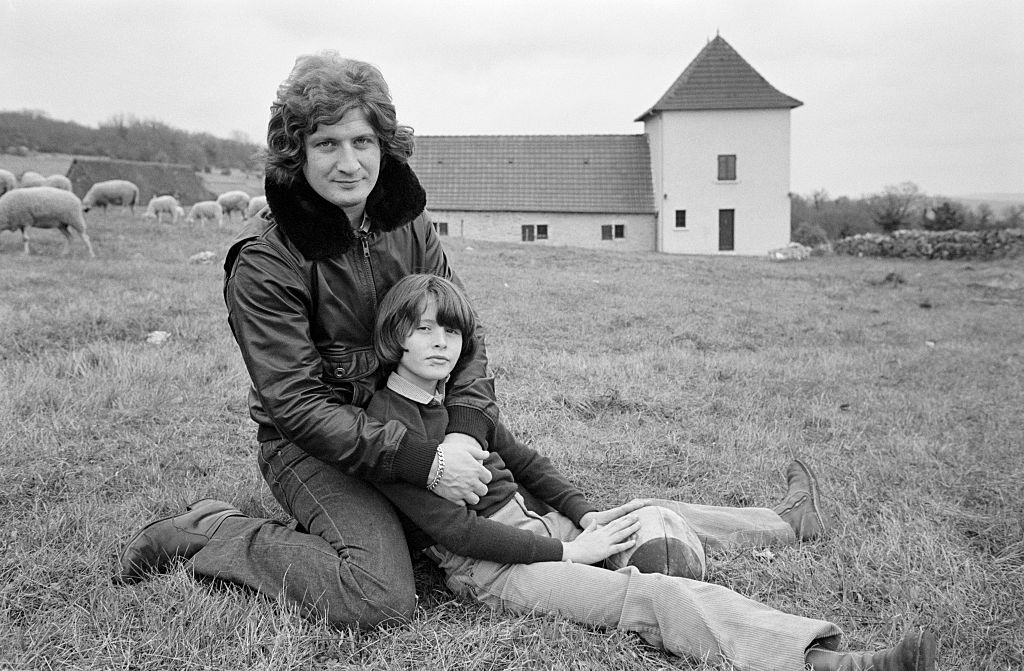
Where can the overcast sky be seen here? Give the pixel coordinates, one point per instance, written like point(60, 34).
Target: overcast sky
point(928, 91)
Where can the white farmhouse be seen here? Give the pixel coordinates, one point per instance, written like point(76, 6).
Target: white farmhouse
point(709, 175)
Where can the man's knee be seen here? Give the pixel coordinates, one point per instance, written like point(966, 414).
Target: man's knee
point(373, 602)
point(392, 605)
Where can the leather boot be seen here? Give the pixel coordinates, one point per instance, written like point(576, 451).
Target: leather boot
point(156, 544)
point(802, 508)
point(916, 652)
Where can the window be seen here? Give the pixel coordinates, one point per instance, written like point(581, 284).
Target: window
point(613, 232)
point(680, 218)
point(542, 231)
point(727, 167)
point(527, 233)
point(441, 227)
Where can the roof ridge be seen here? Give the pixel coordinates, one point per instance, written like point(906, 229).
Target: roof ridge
point(524, 135)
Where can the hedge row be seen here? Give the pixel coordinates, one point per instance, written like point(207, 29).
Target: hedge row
point(988, 244)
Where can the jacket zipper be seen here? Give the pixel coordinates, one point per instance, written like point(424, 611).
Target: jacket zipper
point(364, 240)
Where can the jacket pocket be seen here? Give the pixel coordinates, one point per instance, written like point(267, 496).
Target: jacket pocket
point(351, 374)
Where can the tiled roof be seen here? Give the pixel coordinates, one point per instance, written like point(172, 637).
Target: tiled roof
point(719, 79)
point(536, 173)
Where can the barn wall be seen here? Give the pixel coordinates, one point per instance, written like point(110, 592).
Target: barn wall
point(564, 229)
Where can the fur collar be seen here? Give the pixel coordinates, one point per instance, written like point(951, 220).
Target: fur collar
point(320, 229)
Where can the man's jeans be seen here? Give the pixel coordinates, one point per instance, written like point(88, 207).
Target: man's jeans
point(353, 565)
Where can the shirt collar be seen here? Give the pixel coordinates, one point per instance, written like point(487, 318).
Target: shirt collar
point(403, 387)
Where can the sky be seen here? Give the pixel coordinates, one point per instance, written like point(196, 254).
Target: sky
point(925, 91)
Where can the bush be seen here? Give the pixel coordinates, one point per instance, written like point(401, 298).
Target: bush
point(946, 217)
point(810, 235)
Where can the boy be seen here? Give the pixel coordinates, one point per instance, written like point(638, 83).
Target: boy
point(502, 553)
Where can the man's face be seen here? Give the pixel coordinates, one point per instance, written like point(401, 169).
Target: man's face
point(343, 162)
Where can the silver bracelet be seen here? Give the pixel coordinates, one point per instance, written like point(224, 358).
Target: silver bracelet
point(440, 471)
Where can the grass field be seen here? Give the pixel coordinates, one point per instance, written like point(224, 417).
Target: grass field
point(639, 374)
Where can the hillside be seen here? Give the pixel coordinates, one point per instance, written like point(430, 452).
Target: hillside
point(216, 181)
point(997, 201)
point(125, 138)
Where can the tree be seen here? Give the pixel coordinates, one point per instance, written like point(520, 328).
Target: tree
point(946, 217)
point(985, 215)
point(893, 209)
point(820, 199)
point(839, 218)
point(1013, 216)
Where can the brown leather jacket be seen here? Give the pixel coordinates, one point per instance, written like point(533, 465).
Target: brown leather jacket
point(302, 290)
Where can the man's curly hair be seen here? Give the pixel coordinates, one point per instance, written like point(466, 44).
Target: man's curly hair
point(320, 89)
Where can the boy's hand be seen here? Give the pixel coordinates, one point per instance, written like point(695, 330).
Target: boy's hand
point(464, 479)
point(606, 516)
point(600, 542)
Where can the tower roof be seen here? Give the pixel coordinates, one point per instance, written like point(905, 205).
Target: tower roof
point(719, 79)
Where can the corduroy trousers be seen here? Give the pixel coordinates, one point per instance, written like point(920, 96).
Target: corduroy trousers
point(689, 618)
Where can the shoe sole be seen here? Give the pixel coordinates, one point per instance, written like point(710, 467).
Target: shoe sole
point(815, 499)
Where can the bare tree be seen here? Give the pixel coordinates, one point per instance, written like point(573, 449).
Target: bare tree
point(894, 208)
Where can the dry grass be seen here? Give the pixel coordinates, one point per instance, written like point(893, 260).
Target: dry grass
point(640, 374)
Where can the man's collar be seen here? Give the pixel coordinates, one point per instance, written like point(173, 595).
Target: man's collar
point(403, 387)
point(320, 229)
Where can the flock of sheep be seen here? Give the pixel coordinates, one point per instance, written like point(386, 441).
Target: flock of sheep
point(48, 202)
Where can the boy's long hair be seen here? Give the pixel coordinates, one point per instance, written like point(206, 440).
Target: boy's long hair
point(400, 311)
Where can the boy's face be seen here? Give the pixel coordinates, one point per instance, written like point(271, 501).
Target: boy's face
point(431, 350)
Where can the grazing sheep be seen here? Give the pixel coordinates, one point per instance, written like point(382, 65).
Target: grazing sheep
point(158, 205)
point(30, 179)
point(255, 205)
point(231, 201)
point(43, 207)
point(112, 192)
point(206, 210)
point(8, 182)
point(58, 182)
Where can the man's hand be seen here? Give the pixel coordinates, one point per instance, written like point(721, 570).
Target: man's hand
point(606, 516)
point(600, 542)
point(464, 479)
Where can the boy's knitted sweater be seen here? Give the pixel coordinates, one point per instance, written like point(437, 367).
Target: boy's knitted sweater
point(429, 519)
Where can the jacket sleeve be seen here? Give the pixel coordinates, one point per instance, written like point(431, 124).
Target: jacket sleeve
point(465, 533)
point(469, 396)
point(269, 314)
point(537, 474)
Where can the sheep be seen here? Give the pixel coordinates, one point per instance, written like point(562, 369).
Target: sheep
point(8, 182)
point(58, 182)
point(255, 205)
point(43, 207)
point(31, 179)
point(206, 210)
point(231, 201)
point(158, 205)
point(112, 192)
